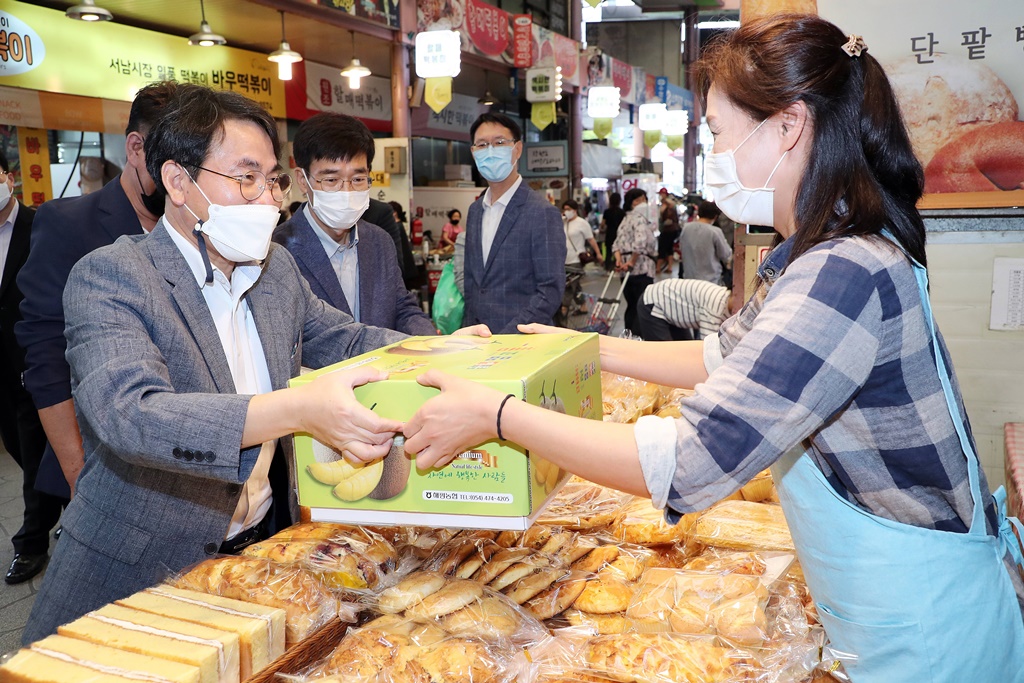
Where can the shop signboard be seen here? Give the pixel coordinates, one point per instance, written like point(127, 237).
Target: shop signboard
point(522, 41)
point(378, 11)
point(34, 154)
point(545, 159)
point(112, 61)
point(956, 69)
point(328, 90)
point(490, 32)
point(452, 123)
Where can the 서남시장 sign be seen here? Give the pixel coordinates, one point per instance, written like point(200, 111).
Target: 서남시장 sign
point(956, 69)
point(113, 61)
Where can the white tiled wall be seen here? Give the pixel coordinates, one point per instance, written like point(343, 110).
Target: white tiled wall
point(989, 364)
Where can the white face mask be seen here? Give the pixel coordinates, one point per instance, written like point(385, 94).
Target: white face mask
point(569, 214)
point(739, 203)
point(5, 195)
point(339, 210)
point(240, 232)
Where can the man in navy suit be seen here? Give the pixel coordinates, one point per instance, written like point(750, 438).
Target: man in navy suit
point(22, 435)
point(515, 242)
point(65, 230)
point(348, 262)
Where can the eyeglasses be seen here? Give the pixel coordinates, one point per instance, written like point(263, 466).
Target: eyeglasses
point(253, 184)
point(359, 183)
point(500, 143)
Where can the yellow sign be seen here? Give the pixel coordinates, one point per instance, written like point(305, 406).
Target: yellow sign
point(381, 178)
point(438, 93)
point(652, 137)
point(34, 153)
point(602, 128)
point(542, 114)
point(112, 61)
point(674, 142)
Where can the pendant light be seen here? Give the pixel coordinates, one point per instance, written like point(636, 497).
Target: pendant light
point(285, 56)
point(355, 71)
point(205, 37)
point(88, 11)
point(488, 100)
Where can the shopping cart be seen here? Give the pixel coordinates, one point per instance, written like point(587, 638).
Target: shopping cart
point(585, 312)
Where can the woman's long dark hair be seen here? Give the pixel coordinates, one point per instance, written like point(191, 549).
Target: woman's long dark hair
point(862, 176)
point(631, 197)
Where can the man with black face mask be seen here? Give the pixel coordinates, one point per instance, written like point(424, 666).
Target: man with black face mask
point(65, 230)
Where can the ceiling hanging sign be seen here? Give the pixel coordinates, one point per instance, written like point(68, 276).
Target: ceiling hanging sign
point(602, 128)
point(378, 11)
point(622, 78)
point(652, 120)
point(488, 28)
point(554, 49)
point(594, 3)
point(675, 124)
point(438, 54)
point(603, 102)
point(452, 123)
point(543, 114)
point(437, 93)
point(522, 41)
point(544, 84)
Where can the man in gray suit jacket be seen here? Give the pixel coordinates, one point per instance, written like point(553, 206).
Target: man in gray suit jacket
point(347, 261)
point(181, 344)
point(515, 241)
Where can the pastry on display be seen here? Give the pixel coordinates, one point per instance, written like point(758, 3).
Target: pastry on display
point(214, 652)
point(641, 523)
point(59, 659)
point(260, 629)
point(307, 602)
point(742, 525)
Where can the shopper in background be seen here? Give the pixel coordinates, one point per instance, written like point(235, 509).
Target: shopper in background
point(399, 214)
point(913, 566)
point(181, 344)
point(668, 233)
point(64, 231)
point(346, 260)
point(515, 243)
point(676, 310)
point(635, 248)
point(610, 221)
point(703, 249)
point(20, 430)
point(452, 229)
point(578, 236)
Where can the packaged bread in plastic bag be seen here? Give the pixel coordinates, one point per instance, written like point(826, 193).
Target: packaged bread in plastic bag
point(345, 557)
point(641, 523)
point(742, 525)
point(583, 506)
point(308, 603)
point(665, 658)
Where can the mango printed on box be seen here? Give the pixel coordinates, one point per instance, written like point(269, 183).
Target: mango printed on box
point(496, 484)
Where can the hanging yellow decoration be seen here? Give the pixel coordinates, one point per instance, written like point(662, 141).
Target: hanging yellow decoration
point(438, 93)
point(594, 3)
point(674, 142)
point(542, 114)
point(602, 128)
point(652, 137)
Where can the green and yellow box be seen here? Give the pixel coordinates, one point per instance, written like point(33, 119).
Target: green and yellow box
point(497, 485)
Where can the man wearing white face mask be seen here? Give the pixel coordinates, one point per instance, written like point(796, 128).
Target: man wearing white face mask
point(181, 344)
point(348, 262)
point(515, 243)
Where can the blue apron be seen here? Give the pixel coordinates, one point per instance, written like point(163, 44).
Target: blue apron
point(901, 602)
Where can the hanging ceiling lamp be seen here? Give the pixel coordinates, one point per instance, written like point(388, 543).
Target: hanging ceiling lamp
point(488, 100)
point(355, 71)
point(285, 56)
point(88, 11)
point(205, 37)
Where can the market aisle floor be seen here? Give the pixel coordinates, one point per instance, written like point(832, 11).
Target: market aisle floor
point(15, 601)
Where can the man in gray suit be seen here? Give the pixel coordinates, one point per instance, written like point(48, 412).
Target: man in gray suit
point(515, 241)
point(347, 261)
point(181, 344)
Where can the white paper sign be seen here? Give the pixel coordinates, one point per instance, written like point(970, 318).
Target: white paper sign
point(1007, 294)
point(603, 102)
point(438, 54)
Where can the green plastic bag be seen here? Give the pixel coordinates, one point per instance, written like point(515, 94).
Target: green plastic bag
point(448, 303)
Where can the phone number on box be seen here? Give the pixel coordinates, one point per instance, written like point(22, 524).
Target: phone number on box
point(468, 497)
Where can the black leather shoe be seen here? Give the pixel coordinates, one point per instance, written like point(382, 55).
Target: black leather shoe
point(24, 567)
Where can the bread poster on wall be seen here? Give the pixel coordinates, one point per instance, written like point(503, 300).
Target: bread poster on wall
point(958, 71)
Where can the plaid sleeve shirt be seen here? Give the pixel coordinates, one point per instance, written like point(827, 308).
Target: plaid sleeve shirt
point(832, 352)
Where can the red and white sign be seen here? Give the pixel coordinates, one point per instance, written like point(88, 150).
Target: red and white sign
point(488, 27)
point(622, 76)
point(522, 41)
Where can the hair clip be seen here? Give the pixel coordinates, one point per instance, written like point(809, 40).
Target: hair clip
point(855, 45)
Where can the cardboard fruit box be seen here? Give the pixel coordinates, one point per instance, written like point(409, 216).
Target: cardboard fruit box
point(497, 485)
